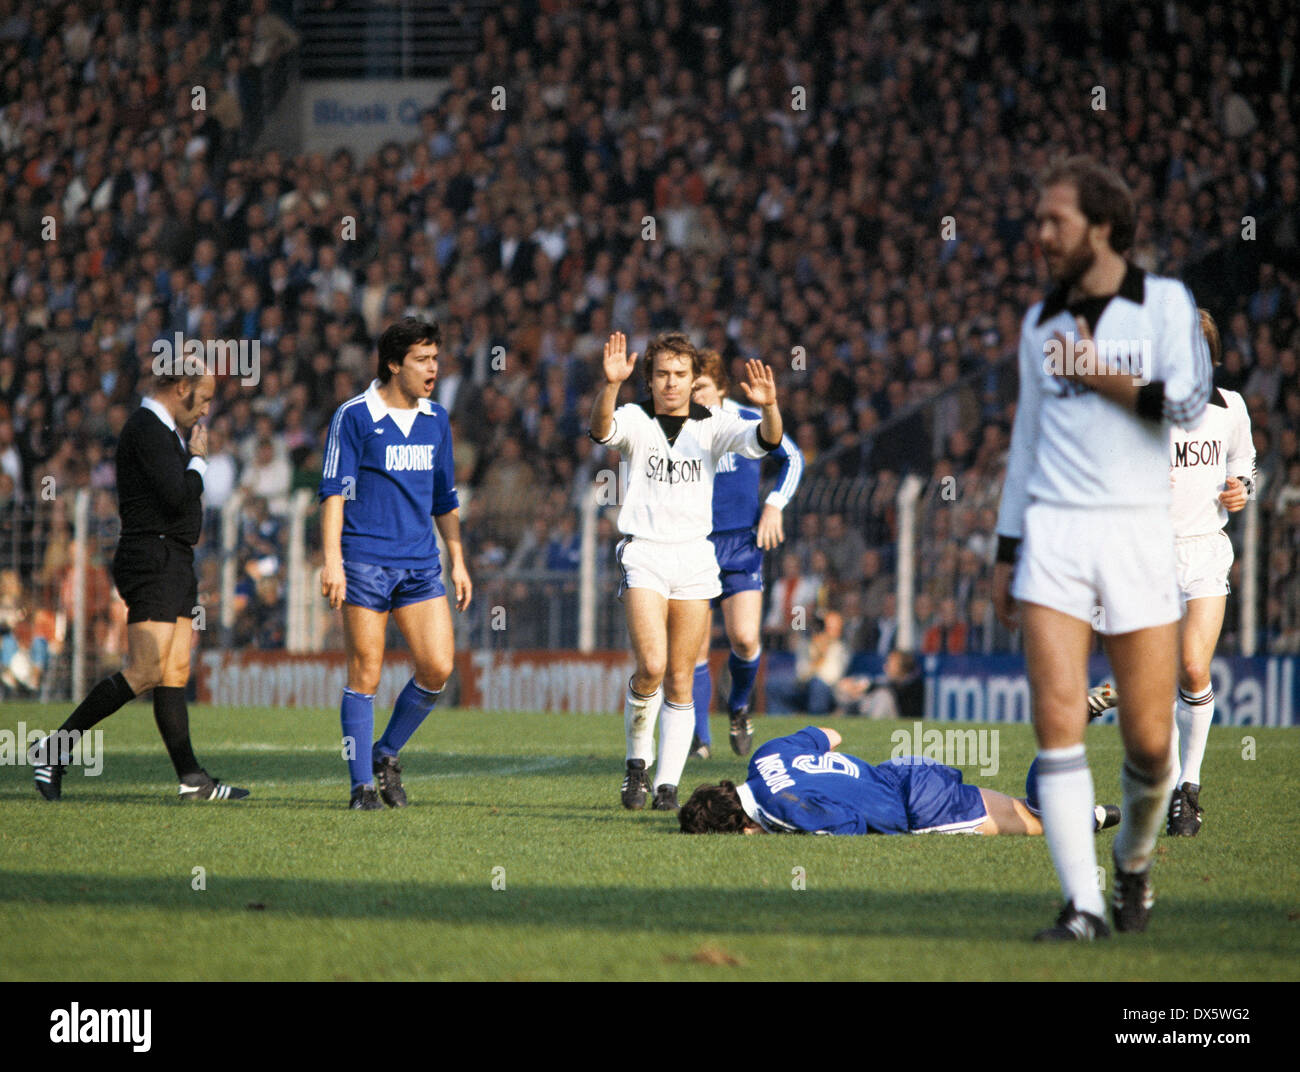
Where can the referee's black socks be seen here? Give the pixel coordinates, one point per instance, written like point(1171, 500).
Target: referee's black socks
point(173, 718)
point(105, 698)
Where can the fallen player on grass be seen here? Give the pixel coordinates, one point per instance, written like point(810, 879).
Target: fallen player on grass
point(800, 784)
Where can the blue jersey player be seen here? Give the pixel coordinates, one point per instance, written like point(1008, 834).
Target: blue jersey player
point(799, 784)
point(742, 531)
point(388, 469)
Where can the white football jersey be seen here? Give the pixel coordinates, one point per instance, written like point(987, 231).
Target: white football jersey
point(1072, 447)
point(1201, 461)
point(669, 493)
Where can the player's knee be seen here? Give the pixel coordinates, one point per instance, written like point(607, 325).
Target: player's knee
point(745, 644)
point(1149, 757)
point(1194, 675)
point(143, 678)
point(433, 673)
point(363, 675)
point(679, 687)
point(176, 677)
point(653, 670)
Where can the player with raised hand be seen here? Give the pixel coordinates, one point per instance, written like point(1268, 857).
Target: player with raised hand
point(742, 531)
point(388, 469)
point(1106, 358)
point(670, 572)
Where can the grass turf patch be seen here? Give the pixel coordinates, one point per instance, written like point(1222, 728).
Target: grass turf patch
point(515, 861)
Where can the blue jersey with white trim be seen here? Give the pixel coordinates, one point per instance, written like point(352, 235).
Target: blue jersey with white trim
point(392, 483)
point(797, 784)
point(735, 483)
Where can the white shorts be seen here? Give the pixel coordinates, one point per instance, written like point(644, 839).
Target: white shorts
point(1203, 565)
point(674, 570)
point(1113, 568)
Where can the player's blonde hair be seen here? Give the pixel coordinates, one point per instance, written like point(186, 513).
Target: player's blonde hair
point(1211, 331)
point(712, 366)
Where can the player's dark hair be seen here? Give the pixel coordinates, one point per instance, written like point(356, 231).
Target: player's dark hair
point(1104, 197)
point(399, 337)
point(713, 809)
point(712, 366)
point(1211, 331)
point(670, 342)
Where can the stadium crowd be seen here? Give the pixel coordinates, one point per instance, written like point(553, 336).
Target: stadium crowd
point(840, 189)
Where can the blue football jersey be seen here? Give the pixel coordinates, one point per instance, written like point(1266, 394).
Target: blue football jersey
point(797, 784)
point(735, 483)
point(392, 483)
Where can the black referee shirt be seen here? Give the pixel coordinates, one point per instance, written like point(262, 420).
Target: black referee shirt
point(156, 494)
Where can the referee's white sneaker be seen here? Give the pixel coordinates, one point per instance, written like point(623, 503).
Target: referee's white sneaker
point(202, 786)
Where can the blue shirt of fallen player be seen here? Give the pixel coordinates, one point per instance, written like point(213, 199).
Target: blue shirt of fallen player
point(797, 784)
point(392, 482)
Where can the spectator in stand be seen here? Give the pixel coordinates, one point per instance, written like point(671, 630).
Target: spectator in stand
point(269, 476)
point(947, 635)
point(821, 659)
point(898, 693)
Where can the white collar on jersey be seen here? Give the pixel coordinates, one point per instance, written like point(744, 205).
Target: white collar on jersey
point(379, 408)
point(160, 411)
point(750, 805)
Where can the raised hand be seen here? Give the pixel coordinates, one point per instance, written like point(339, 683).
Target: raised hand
point(760, 387)
point(617, 364)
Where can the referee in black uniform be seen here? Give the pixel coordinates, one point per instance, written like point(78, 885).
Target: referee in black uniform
point(159, 492)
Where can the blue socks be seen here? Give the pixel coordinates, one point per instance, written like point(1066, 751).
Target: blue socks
point(742, 680)
point(413, 706)
point(702, 692)
point(358, 717)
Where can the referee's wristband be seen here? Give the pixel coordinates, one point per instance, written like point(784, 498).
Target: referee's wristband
point(1008, 548)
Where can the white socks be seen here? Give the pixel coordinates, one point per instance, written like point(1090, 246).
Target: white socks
point(1193, 714)
point(1067, 800)
point(676, 728)
point(1146, 803)
point(639, 714)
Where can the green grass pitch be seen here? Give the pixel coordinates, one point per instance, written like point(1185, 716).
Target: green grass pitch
point(101, 885)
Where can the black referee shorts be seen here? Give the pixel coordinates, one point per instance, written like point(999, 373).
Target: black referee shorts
point(155, 576)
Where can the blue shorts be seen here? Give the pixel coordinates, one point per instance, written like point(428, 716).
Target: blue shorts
point(740, 562)
point(385, 588)
point(935, 798)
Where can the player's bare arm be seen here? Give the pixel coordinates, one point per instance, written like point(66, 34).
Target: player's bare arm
point(617, 366)
point(833, 736)
point(760, 390)
point(333, 582)
point(449, 528)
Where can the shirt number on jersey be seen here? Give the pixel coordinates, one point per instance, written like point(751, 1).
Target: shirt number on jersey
point(826, 763)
